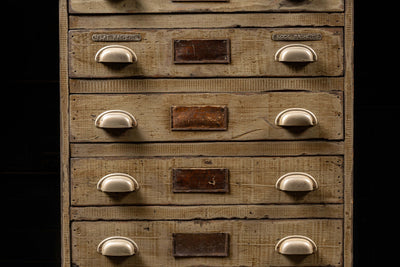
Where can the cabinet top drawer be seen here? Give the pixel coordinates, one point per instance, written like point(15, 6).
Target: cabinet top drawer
point(193, 6)
point(245, 52)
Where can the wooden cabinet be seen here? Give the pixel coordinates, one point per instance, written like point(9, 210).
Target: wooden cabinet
point(206, 133)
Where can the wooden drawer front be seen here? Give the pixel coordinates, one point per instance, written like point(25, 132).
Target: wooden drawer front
point(250, 243)
point(251, 180)
point(241, 52)
point(169, 6)
point(248, 116)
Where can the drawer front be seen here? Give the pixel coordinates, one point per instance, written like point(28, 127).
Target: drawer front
point(185, 117)
point(247, 52)
point(169, 6)
point(219, 180)
point(235, 243)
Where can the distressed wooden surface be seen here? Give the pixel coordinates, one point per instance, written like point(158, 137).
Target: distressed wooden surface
point(349, 134)
point(252, 54)
point(64, 137)
point(167, 213)
point(251, 57)
point(216, 85)
point(219, 20)
point(251, 116)
point(252, 242)
point(252, 180)
point(165, 6)
point(273, 148)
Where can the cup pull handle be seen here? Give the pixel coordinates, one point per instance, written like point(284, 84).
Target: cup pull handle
point(297, 117)
point(117, 246)
point(118, 119)
point(117, 183)
point(296, 182)
point(296, 245)
point(296, 53)
point(115, 54)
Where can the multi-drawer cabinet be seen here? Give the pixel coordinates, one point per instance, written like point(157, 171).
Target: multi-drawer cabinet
point(206, 133)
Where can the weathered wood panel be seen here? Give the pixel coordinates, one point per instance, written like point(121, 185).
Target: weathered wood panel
point(252, 180)
point(280, 211)
point(252, 54)
point(251, 243)
point(151, 21)
point(251, 116)
point(166, 6)
point(219, 85)
point(246, 149)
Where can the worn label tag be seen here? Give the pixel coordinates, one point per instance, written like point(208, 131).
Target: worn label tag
point(202, 51)
point(297, 37)
point(200, 180)
point(198, 118)
point(200, 244)
point(116, 37)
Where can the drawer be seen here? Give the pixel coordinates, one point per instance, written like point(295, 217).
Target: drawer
point(239, 52)
point(204, 6)
point(198, 117)
point(214, 243)
point(216, 180)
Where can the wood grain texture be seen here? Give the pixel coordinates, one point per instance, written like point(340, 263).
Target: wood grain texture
point(163, 6)
point(251, 242)
point(251, 116)
point(252, 54)
point(349, 132)
point(64, 136)
point(252, 180)
point(246, 149)
point(167, 213)
point(216, 85)
point(220, 20)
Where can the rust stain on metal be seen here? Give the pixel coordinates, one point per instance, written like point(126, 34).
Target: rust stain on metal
point(200, 180)
point(201, 244)
point(199, 118)
point(202, 51)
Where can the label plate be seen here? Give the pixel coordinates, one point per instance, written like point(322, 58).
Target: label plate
point(297, 37)
point(200, 180)
point(116, 37)
point(202, 51)
point(201, 244)
point(199, 118)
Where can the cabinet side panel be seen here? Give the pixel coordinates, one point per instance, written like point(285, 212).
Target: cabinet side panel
point(64, 129)
point(348, 120)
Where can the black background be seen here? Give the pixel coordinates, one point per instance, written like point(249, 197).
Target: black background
point(29, 134)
